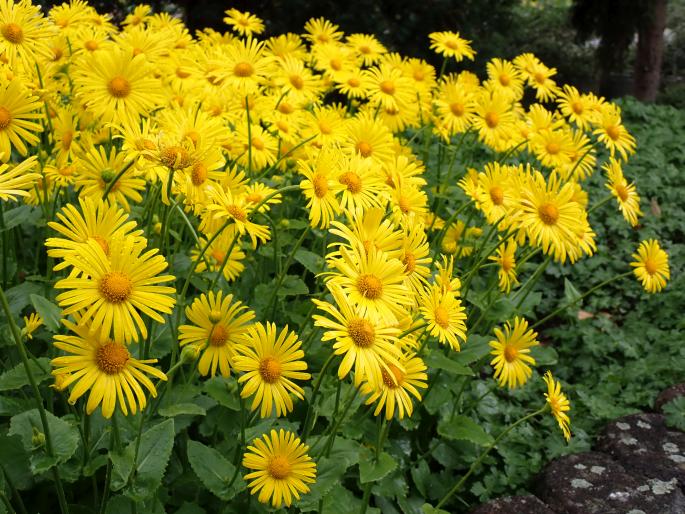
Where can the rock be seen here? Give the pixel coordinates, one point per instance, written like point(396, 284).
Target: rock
point(669, 394)
point(527, 504)
point(643, 444)
point(593, 483)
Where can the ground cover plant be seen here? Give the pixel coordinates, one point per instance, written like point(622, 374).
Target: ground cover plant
point(245, 274)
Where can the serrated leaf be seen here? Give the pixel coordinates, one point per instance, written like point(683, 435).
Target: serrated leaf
point(465, 429)
point(310, 260)
point(181, 409)
point(338, 500)
point(18, 296)
point(214, 471)
point(438, 360)
point(15, 462)
point(675, 413)
point(223, 391)
point(329, 472)
point(50, 312)
point(292, 286)
point(475, 348)
point(153, 457)
point(421, 475)
point(65, 438)
point(16, 377)
point(372, 469)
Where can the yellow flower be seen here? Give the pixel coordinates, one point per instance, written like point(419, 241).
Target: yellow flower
point(367, 47)
point(24, 34)
point(17, 180)
point(244, 23)
point(450, 44)
point(215, 255)
point(364, 187)
point(626, 194)
point(19, 116)
point(270, 361)
point(320, 186)
point(115, 288)
point(104, 367)
point(282, 468)
point(227, 206)
point(364, 342)
point(218, 323)
point(558, 403)
point(444, 315)
point(321, 31)
point(613, 134)
point(651, 266)
point(368, 138)
point(506, 261)
point(388, 87)
point(398, 384)
point(576, 107)
point(32, 322)
point(511, 352)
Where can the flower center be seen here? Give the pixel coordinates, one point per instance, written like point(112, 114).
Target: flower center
point(181, 73)
point(388, 87)
point(296, 81)
point(553, 148)
point(352, 181)
point(361, 332)
point(67, 171)
point(111, 358)
point(102, 242)
point(219, 336)
point(13, 33)
point(119, 87)
point(409, 261)
point(353, 82)
point(364, 148)
point(419, 75)
point(510, 353)
point(91, 45)
point(257, 143)
point(57, 54)
point(286, 108)
point(452, 44)
point(175, 157)
point(107, 175)
point(279, 467)
point(549, 214)
point(199, 174)
point(237, 212)
point(370, 286)
point(621, 191)
point(67, 138)
point(491, 119)
point(270, 370)
point(253, 197)
point(365, 49)
point(5, 118)
point(324, 128)
point(442, 317)
point(394, 379)
point(496, 195)
point(577, 107)
point(243, 69)
point(504, 79)
point(336, 64)
point(320, 185)
point(650, 266)
point(116, 287)
point(613, 132)
point(507, 263)
point(218, 256)
point(540, 77)
point(457, 108)
point(405, 204)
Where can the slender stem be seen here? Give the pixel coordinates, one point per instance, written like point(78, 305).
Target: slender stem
point(600, 203)
point(315, 391)
point(7, 503)
point(225, 260)
point(111, 183)
point(279, 281)
point(443, 230)
point(484, 454)
point(588, 293)
point(16, 333)
point(528, 286)
point(383, 427)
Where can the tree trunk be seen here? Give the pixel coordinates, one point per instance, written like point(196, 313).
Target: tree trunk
point(650, 49)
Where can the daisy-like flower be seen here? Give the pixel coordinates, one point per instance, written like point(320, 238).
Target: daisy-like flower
point(32, 322)
point(456, 106)
point(576, 107)
point(364, 187)
point(511, 350)
point(651, 266)
point(613, 134)
point(16, 181)
point(540, 79)
point(365, 343)
point(494, 119)
point(215, 255)
point(244, 23)
point(24, 33)
point(115, 288)
point(372, 281)
point(451, 44)
point(218, 323)
point(626, 194)
point(393, 395)
point(444, 278)
point(444, 315)
point(368, 138)
point(366, 229)
point(95, 221)
point(321, 187)
point(415, 257)
point(117, 85)
point(281, 468)
point(321, 31)
point(505, 258)
point(19, 116)
point(388, 87)
point(496, 193)
point(244, 65)
point(505, 76)
point(227, 206)
point(367, 47)
point(104, 367)
point(558, 403)
point(552, 147)
point(271, 360)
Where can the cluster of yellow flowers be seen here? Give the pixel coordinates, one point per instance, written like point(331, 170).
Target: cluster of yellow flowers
point(147, 123)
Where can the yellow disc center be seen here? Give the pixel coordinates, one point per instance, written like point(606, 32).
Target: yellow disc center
point(496, 195)
point(320, 184)
point(549, 214)
point(13, 33)
point(111, 358)
point(243, 69)
point(364, 148)
point(237, 212)
point(119, 87)
point(116, 287)
point(388, 87)
point(5, 118)
point(352, 181)
point(457, 108)
point(442, 317)
point(553, 148)
point(492, 119)
point(651, 266)
point(279, 467)
point(394, 379)
point(370, 286)
point(510, 353)
point(199, 174)
point(361, 332)
point(219, 336)
point(270, 370)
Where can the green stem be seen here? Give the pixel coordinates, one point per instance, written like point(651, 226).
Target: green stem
point(600, 203)
point(528, 286)
point(584, 295)
point(383, 428)
point(279, 281)
point(484, 454)
point(315, 391)
point(443, 230)
point(111, 183)
point(16, 334)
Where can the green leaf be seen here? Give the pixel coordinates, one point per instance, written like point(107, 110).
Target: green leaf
point(372, 469)
point(437, 359)
point(153, 457)
point(544, 355)
point(570, 292)
point(292, 286)
point(50, 312)
point(675, 413)
point(18, 296)
point(16, 377)
point(15, 462)
point(310, 260)
point(329, 473)
point(122, 466)
point(22, 214)
point(180, 409)
point(465, 429)
point(421, 476)
point(65, 438)
point(429, 509)
point(214, 470)
point(223, 391)
point(338, 500)
point(475, 348)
